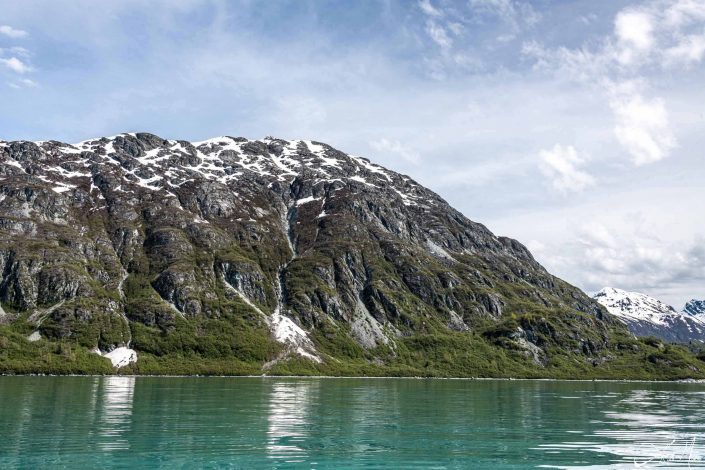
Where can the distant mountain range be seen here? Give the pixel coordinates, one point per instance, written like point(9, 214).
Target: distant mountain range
point(647, 316)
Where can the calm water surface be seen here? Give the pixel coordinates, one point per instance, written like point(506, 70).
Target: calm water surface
point(127, 422)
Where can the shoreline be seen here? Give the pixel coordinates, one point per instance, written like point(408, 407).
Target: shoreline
point(317, 377)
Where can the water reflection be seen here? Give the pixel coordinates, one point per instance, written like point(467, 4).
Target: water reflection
point(288, 420)
point(116, 412)
point(123, 422)
point(646, 429)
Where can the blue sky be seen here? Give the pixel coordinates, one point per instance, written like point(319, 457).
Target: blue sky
point(573, 126)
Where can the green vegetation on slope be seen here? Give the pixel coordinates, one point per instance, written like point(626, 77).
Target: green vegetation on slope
point(223, 347)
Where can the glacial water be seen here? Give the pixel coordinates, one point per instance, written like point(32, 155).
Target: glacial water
point(144, 422)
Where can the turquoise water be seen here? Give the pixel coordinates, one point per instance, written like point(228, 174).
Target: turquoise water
point(144, 422)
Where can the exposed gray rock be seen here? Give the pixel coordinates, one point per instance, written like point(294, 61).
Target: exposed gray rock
point(136, 228)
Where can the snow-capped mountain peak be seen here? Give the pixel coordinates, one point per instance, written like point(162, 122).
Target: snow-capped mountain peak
point(147, 162)
point(645, 315)
point(634, 305)
point(695, 308)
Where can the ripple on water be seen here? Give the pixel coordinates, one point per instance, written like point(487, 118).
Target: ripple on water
point(645, 429)
point(125, 422)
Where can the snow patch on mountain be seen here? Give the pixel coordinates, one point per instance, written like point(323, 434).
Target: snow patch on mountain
point(172, 163)
point(119, 357)
point(288, 332)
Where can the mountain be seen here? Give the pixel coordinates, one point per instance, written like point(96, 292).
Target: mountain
point(237, 256)
point(646, 316)
point(695, 308)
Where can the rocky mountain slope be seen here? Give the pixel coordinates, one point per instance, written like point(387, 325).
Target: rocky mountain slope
point(248, 256)
point(695, 308)
point(646, 316)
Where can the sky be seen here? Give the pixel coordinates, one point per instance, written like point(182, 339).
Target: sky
point(576, 127)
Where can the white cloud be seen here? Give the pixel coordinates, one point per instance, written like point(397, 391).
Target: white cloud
point(684, 12)
point(588, 19)
point(665, 33)
point(397, 148)
point(19, 51)
point(9, 58)
point(642, 126)
point(670, 33)
point(634, 28)
point(447, 28)
point(436, 31)
point(15, 64)
point(515, 14)
point(581, 64)
point(429, 9)
point(689, 50)
point(23, 83)
point(438, 34)
point(635, 239)
point(655, 35)
point(11, 32)
point(634, 32)
point(637, 259)
point(561, 165)
point(456, 28)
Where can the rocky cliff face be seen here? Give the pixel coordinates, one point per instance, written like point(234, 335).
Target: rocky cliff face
point(261, 250)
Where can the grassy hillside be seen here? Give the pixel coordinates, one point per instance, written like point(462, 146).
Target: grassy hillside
point(469, 354)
